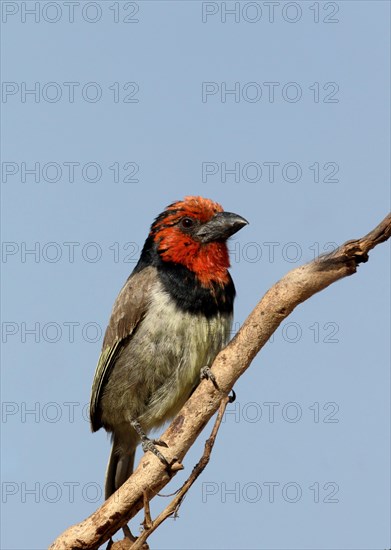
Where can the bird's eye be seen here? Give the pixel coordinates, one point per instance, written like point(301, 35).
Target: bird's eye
point(187, 223)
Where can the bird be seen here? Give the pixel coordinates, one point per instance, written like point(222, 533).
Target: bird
point(168, 323)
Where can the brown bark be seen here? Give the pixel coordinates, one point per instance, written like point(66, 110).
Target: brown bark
point(150, 476)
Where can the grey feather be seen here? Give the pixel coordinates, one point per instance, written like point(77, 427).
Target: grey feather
point(129, 309)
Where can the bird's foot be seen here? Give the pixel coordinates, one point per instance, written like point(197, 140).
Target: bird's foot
point(151, 444)
point(207, 374)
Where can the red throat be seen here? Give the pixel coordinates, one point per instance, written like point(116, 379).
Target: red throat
point(209, 262)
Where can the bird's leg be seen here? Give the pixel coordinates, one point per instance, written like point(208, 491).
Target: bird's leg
point(207, 374)
point(150, 444)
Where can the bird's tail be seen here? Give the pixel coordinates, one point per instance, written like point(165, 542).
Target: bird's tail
point(119, 467)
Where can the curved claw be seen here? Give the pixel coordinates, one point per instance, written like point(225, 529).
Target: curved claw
point(159, 443)
point(232, 397)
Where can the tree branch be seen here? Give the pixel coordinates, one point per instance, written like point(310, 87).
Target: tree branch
point(172, 509)
point(150, 476)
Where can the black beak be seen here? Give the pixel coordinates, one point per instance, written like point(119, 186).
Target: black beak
point(220, 227)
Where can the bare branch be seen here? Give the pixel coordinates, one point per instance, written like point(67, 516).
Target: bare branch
point(150, 477)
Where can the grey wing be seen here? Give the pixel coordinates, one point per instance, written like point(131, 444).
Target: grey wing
point(129, 309)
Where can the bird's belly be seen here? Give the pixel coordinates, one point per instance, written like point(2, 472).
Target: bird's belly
point(160, 365)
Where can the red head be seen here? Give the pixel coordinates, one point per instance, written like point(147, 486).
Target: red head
point(193, 232)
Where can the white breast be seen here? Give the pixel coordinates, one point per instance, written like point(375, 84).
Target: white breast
point(160, 365)
point(180, 344)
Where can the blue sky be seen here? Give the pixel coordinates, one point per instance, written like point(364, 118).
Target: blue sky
point(112, 110)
